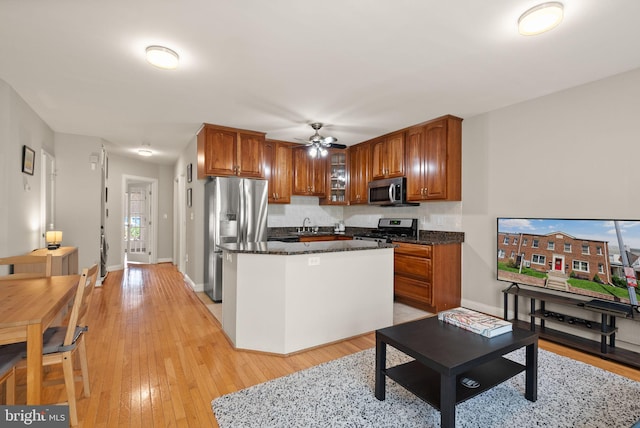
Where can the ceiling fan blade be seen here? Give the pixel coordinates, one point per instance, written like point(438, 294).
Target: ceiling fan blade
point(338, 146)
point(329, 140)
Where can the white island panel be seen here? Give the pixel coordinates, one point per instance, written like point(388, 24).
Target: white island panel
point(347, 294)
point(286, 303)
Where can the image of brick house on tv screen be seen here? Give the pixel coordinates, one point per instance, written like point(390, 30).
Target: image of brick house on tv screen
point(572, 255)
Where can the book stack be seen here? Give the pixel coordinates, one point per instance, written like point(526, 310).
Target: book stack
point(477, 322)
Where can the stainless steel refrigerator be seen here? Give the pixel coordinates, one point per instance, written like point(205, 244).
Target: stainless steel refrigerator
point(235, 211)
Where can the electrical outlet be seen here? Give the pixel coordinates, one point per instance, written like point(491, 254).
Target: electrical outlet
point(314, 261)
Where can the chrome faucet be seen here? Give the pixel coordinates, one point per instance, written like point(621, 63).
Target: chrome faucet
point(304, 223)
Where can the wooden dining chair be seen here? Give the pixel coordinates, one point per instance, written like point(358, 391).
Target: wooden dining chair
point(28, 266)
point(10, 356)
point(61, 343)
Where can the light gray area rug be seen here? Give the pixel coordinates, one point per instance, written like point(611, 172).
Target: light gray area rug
point(340, 393)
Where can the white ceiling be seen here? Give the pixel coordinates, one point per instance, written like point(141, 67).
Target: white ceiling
point(363, 67)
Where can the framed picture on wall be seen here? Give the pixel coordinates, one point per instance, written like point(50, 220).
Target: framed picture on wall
point(189, 173)
point(28, 160)
point(189, 200)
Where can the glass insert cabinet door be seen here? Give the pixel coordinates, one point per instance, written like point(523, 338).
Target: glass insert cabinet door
point(338, 170)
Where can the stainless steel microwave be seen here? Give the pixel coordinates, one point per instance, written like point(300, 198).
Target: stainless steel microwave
point(388, 192)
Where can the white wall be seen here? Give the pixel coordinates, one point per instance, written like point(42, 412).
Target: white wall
point(569, 154)
point(20, 193)
point(78, 196)
point(194, 217)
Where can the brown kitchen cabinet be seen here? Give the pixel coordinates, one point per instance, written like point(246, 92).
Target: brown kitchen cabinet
point(387, 156)
point(309, 173)
point(224, 151)
point(277, 170)
point(337, 178)
point(433, 157)
point(359, 173)
point(427, 276)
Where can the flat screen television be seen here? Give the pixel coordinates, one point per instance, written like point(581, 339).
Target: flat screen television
point(581, 256)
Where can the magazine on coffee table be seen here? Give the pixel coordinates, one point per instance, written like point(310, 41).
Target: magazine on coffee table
point(486, 325)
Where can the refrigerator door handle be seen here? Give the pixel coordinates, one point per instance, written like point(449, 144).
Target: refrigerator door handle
point(242, 213)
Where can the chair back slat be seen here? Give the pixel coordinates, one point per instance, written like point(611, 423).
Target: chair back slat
point(81, 301)
point(29, 266)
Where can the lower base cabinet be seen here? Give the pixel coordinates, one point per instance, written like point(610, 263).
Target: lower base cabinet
point(428, 277)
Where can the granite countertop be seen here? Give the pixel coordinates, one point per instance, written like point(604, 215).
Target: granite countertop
point(426, 237)
point(435, 237)
point(292, 248)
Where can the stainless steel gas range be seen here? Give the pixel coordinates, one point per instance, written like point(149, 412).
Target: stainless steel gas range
point(390, 228)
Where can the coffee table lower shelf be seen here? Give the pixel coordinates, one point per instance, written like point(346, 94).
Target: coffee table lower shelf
point(425, 383)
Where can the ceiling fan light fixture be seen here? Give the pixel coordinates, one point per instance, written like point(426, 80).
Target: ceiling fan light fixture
point(162, 57)
point(540, 18)
point(317, 150)
point(317, 143)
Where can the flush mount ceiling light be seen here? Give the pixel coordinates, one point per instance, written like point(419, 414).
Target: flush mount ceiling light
point(162, 57)
point(145, 150)
point(541, 18)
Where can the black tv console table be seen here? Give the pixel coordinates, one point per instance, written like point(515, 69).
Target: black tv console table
point(606, 328)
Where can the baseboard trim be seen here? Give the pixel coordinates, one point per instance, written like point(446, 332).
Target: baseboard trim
point(195, 287)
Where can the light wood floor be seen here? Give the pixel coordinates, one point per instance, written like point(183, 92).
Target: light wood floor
point(157, 356)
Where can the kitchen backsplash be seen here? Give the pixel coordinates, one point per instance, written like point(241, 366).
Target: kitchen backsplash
point(445, 216)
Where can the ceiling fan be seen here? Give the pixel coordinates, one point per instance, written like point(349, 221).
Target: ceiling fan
point(318, 144)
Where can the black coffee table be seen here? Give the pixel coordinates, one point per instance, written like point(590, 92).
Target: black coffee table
point(444, 355)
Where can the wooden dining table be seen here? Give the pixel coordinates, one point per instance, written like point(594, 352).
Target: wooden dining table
point(27, 307)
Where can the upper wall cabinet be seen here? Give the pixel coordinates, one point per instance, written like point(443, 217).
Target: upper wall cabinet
point(309, 173)
point(226, 151)
point(433, 156)
point(337, 178)
point(359, 173)
point(277, 169)
point(387, 156)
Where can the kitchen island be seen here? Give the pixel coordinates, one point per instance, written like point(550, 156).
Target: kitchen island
point(283, 297)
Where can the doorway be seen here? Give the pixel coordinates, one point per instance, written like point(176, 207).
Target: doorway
point(139, 220)
point(558, 264)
